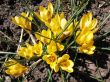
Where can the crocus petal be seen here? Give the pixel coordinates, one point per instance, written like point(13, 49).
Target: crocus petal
point(17, 19)
point(43, 11)
point(93, 24)
point(56, 68)
point(44, 57)
point(52, 65)
point(86, 20)
point(89, 37)
point(66, 56)
point(50, 9)
point(24, 14)
point(52, 47)
point(69, 70)
point(71, 64)
point(62, 15)
point(37, 49)
point(60, 47)
point(39, 16)
point(57, 17)
point(89, 15)
point(63, 23)
point(82, 21)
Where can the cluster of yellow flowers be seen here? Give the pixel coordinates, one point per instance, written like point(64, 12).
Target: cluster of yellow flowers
point(55, 25)
point(30, 51)
point(85, 35)
point(59, 62)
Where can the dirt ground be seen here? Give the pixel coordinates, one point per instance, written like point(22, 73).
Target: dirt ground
point(97, 65)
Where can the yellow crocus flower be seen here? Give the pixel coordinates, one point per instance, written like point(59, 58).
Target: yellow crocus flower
point(14, 68)
point(64, 63)
point(26, 52)
point(84, 36)
point(57, 25)
point(38, 49)
point(44, 14)
point(54, 46)
point(87, 48)
point(44, 36)
point(88, 22)
point(23, 22)
point(85, 40)
point(50, 59)
point(63, 22)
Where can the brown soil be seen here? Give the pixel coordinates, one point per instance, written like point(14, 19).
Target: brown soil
point(85, 66)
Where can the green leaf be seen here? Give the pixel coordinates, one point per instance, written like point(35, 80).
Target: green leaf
point(50, 76)
point(57, 6)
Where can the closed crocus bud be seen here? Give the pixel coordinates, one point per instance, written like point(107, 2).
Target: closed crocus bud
point(24, 22)
point(44, 14)
point(87, 21)
point(14, 68)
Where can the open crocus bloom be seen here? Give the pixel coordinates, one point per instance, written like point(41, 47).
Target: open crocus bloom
point(24, 22)
point(14, 68)
point(50, 59)
point(44, 14)
point(64, 63)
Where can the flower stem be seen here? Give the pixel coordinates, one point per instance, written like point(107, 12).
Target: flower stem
point(2, 52)
point(57, 6)
point(32, 38)
point(50, 74)
point(20, 40)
